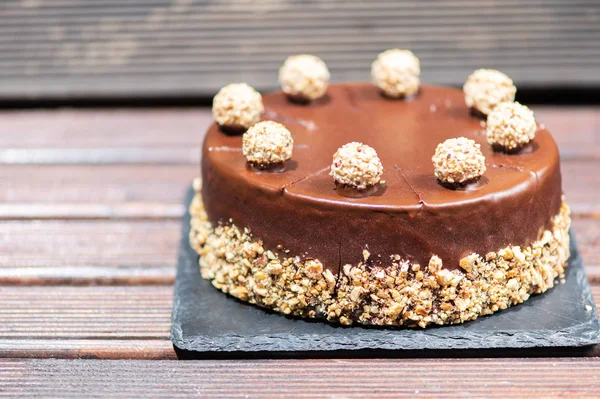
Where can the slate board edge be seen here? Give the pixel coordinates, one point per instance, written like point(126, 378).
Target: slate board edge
point(390, 339)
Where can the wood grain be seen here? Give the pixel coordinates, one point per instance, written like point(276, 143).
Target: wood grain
point(111, 348)
point(104, 128)
point(575, 129)
point(88, 252)
point(157, 48)
point(96, 184)
point(92, 322)
point(581, 185)
point(330, 378)
point(174, 136)
point(85, 312)
point(105, 322)
point(587, 234)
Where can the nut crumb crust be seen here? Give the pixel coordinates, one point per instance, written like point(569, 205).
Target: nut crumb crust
point(401, 294)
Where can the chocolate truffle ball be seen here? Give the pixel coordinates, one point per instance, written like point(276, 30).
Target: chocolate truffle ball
point(237, 106)
point(356, 165)
point(396, 73)
point(510, 126)
point(267, 144)
point(304, 77)
point(486, 88)
point(458, 161)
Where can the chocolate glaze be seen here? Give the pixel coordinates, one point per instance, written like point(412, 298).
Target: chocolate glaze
point(414, 216)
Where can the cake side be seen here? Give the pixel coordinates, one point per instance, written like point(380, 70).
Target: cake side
point(398, 293)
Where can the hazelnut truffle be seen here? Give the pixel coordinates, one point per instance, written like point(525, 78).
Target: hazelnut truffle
point(237, 106)
point(267, 144)
point(396, 72)
point(486, 88)
point(510, 126)
point(356, 165)
point(458, 161)
point(304, 77)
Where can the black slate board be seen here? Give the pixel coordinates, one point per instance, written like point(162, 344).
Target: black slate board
point(208, 323)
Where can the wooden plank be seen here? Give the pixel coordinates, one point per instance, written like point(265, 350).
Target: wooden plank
point(103, 322)
point(157, 48)
point(313, 378)
point(110, 313)
point(581, 185)
point(44, 156)
point(175, 136)
point(137, 251)
point(102, 184)
point(79, 9)
point(128, 210)
point(104, 128)
point(95, 191)
point(93, 322)
point(88, 252)
point(155, 349)
point(575, 129)
point(587, 234)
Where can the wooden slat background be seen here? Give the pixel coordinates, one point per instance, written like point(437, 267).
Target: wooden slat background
point(111, 48)
point(332, 378)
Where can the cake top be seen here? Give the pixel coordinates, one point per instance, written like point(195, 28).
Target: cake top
point(393, 165)
point(405, 135)
point(304, 79)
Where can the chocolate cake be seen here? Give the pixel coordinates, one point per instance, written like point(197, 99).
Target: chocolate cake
point(410, 248)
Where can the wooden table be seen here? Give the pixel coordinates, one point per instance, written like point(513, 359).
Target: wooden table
point(90, 212)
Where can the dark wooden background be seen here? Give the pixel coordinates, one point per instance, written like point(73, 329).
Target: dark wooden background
point(157, 48)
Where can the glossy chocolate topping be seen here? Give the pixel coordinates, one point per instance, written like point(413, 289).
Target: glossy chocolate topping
point(412, 215)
